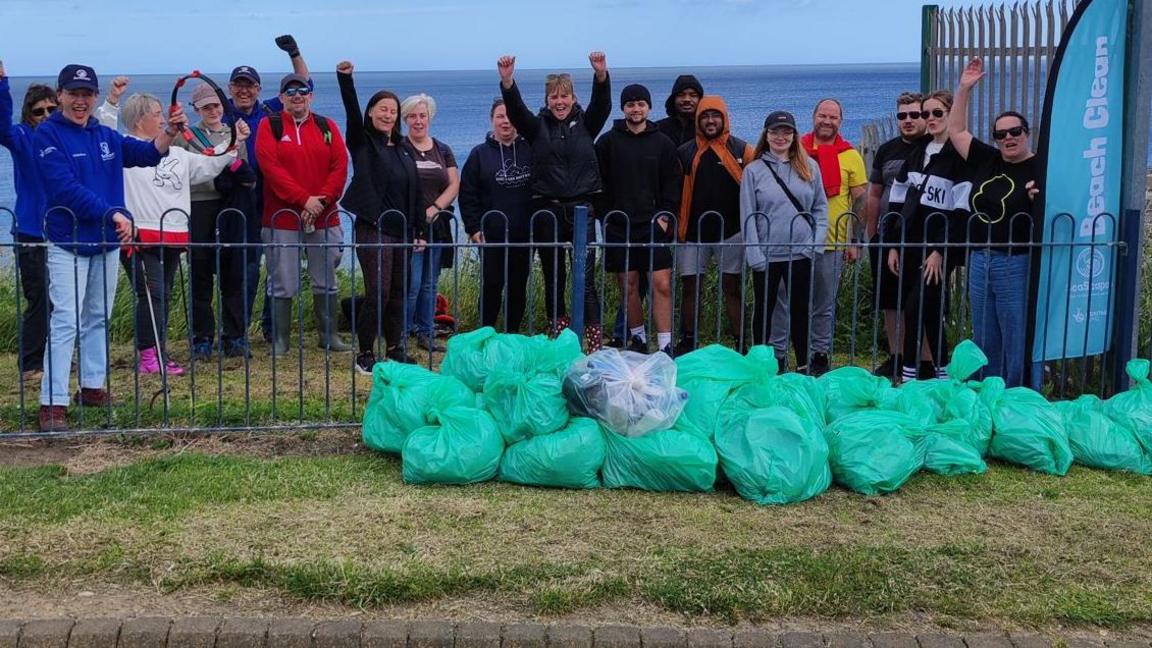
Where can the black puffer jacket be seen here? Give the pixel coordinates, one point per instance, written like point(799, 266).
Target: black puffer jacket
point(563, 153)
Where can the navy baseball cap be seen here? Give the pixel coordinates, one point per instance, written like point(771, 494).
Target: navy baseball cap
point(780, 118)
point(245, 72)
point(76, 77)
point(289, 79)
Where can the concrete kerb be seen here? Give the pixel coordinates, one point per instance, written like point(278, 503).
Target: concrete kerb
point(211, 632)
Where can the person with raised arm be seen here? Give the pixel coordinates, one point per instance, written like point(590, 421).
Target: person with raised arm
point(384, 199)
point(565, 175)
point(1002, 205)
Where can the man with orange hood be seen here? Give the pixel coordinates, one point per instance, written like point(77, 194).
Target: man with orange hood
point(709, 222)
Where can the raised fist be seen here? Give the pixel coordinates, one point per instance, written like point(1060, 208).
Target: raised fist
point(344, 67)
point(288, 44)
point(599, 63)
point(506, 65)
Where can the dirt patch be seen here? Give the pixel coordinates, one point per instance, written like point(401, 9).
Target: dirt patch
point(81, 600)
point(91, 456)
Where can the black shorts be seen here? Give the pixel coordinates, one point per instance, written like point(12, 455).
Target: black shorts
point(648, 250)
point(886, 284)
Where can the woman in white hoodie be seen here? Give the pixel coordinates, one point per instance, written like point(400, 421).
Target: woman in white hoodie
point(783, 213)
point(159, 199)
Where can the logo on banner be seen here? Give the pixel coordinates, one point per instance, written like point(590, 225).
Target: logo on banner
point(1091, 263)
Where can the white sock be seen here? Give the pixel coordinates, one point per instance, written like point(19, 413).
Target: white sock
point(638, 331)
point(941, 373)
point(663, 338)
point(908, 373)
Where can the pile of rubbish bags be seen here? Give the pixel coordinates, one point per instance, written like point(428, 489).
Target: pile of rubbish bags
point(536, 411)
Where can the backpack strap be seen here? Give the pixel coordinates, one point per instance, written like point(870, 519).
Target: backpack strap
point(276, 122)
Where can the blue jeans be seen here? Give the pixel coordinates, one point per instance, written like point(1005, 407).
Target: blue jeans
point(82, 290)
point(998, 290)
point(423, 276)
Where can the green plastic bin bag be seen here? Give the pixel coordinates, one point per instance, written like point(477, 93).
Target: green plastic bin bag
point(710, 375)
point(555, 356)
point(1028, 431)
point(472, 356)
point(461, 445)
point(402, 394)
point(800, 394)
point(671, 460)
point(870, 453)
point(948, 449)
point(524, 406)
point(569, 458)
point(773, 456)
point(851, 389)
point(1097, 441)
point(1133, 408)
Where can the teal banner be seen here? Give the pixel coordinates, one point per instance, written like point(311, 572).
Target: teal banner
point(1082, 141)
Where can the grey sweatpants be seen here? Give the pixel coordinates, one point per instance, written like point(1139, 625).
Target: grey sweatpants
point(826, 268)
point(283, 252)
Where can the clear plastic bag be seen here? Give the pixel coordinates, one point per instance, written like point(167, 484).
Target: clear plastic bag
point(630, 393)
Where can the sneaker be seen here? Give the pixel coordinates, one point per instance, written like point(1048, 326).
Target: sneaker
point(93, 397)
point(636, 345)
point(364, 363)
point(890, 368)
point(399, 354)
point(201, 350)
point(668, 351)
point(428, 343)
point(615, 342)
point(686, 345)
point(149, 363)
point(819, 365)
point(236, 348)
point(173, 369)
point(53, 418)
point(926, 371)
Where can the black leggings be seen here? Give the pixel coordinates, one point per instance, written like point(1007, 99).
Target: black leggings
point(765, 285)
point(496, 261)
point(204, 266)
point(923, 307)
point(32, 261)
point(383, 262)
point(149, 278)
point(554, 224)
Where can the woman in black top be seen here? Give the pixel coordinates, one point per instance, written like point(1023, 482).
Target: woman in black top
point(928, 190)
point(565, 175)
point(384, 197)
point(999, 230)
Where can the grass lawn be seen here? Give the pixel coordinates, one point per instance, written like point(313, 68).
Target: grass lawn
point(1011, 546)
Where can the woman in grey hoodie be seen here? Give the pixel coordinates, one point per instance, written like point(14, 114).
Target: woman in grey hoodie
point(783, 214)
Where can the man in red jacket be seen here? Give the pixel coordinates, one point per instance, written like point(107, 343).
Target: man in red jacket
point(305, 165)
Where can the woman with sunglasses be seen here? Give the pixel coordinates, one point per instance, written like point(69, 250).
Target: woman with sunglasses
point(927, 191)
point(28, 228)
point(384, 198)
point(565, 175)
point(999, 229)
point(783, 213)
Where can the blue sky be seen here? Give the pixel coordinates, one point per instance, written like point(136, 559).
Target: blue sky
point(136, 37)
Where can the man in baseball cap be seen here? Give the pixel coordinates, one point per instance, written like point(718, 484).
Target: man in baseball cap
point(244, 90)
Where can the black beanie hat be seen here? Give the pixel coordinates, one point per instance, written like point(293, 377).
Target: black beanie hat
point(682, 83)
point(635, 92)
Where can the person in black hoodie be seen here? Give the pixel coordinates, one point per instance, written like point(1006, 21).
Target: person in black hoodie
point(680, 124)
point(642, 179)
point(495, 203)
point(565, 175)
point(384, 197)
point(930, 188)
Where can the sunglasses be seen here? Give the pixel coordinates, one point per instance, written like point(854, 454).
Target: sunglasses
point(43, 110)
point(292, 92)
point(557, 77)
point(915, 114)
point(1015, 131)
point(935, 112)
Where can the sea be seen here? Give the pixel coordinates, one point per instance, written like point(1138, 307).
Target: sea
point(464, 97)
